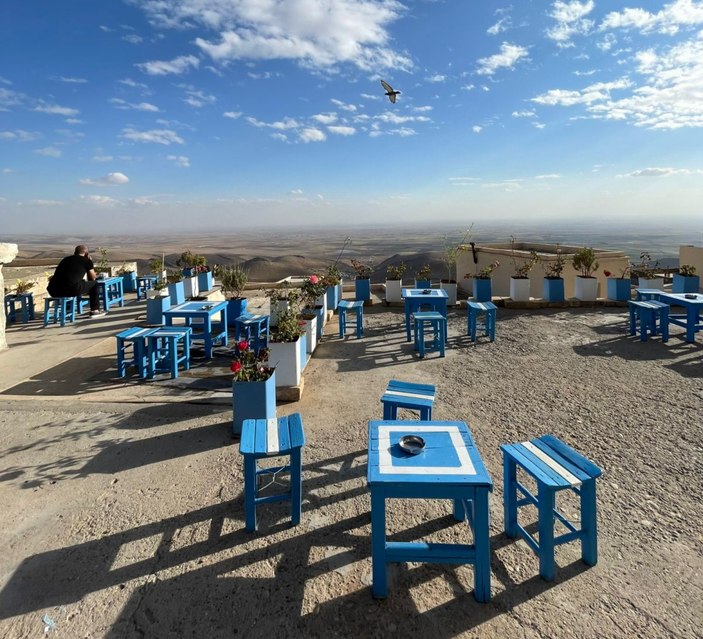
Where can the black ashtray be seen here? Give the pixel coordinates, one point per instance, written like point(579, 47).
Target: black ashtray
point(691, 296)
point(426, 291)
point(412, 444)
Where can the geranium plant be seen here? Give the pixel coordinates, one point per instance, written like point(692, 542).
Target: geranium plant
point(623, 273)
point(485, 272)
point(313, 287)
point(361, 270)
point(249, 366)
point(289, 328)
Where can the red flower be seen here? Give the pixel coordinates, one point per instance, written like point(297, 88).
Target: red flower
point(236, 367)
point(607, 273)
point(243, 345)
point(314, 279)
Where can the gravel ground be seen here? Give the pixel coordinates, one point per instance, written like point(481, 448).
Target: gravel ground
point(126, 520)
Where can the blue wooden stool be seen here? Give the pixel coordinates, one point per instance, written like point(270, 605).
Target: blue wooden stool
point(645, 294)
point(473, 311)
point(163, 352)
point(647, 313)
point(434, 321)
point(419, 397)
point(144, 284)
point(358, 307)
point(26, 307)
point(554, 466)
point(135, 338)
point(254, 328)
point(263, 438)
point(59, 309)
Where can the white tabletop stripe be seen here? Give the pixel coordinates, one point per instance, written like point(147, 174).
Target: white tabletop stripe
point(404, 394)
point(554, 465)
point(272, 445)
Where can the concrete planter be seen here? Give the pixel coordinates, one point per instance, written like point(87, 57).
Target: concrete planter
point(190, 285)
point(155, 308)
point(586, 289)
point(235, 308)
point(253, 400)
point(310, 334)
point(303, 351)
point(685, 283)
point(177, 293)
point(482, 289)
point(129, 282)
point(332, 296)
point(618, 289)
point(393, 290)
point(520, 289)
point(362, 289)
point(553, 289)
point(655, 282)
point(451, 289)
point(205, 281)
point(285, 357)
point(322, 301)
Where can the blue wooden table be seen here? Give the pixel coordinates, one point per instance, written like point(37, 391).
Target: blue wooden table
point(691, 321)
point(435, 298)
point(449, 467)
point(200, 316)
point(111, 291)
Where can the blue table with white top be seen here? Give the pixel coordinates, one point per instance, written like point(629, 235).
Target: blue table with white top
point(416, 298)
point(449, 467)
point(201, 316)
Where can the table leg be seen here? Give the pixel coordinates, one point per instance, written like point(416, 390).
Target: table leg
point(482, 547)
point(207, 327)
point(379, 585)
point(691, 321)
point(407, 320)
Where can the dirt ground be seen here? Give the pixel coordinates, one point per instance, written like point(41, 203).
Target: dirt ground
point(126, 519)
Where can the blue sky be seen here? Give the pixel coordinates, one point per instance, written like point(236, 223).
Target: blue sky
point(179, 114)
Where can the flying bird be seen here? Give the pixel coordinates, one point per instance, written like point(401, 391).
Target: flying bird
point(390, 92)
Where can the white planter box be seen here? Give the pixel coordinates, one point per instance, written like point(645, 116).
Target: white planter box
point(520, 289)
point(152, 293)
point(190, 284)
point(586, 288)
point(393, 289)
point(277, 307)
point(322, 301)
point(285, 357)
point(655, 282)
point(451, 288)
point(310, 334)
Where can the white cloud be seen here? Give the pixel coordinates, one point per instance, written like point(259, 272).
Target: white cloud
point(437, 77)
point(509, 56)
point(157, 136)
point(141, 106)
point(7, 170)
point(133, 38)
point(296, 192)
point(423, 109)
point(198, 99)
point(502, 25)
point(131, 83)
point(100, 200)
point(523, 114)
point(342, 130)
point(286, 123)
point(177, 66)
point(538, 125)
point(111, 179)
point(73, 80)
point(393, 118)
point(50, 152)
point(548, 176)
point(590, 94)
point(476, 128)
point(673, 16)
point(43, 202)
point(9, 98)
point(20, 135)
point(343, 105)
point(55, 109)
point(233, 115)
point(658, 172)
point(311, 134)
point(280, 137)
point(570, 20)
point(180, 160)
point(325, 118)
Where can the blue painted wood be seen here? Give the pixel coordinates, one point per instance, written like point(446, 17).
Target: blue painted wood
point(201, 315)
point(691, 321)
point(253, 400)
point(474, 310)
point(434, 299)
point(449, 467)
point(167, 347)
point(644, 294)
point(205, 282)
point(549, 482)
point(254, 446)
point(134, 338)
point(235, 308)
point(362, 289)
point(552, 291)
point(155, 308)
point(320, 314)
point(423, 284)
point(619, 289)
point(392, 402)
point(25, 302)
point(685, 283)
point(437, 323)
point(357, 307)
point(59, 310)
point(253, 328)
point(483, 289)
point(646, 314)
point(144, 284)
point(129, 282)
point(110, 291)
point(332, 293)
point(303, 351)
point(177, 292)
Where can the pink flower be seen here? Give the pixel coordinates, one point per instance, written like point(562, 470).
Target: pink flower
point(314, 279)
point(243, 345)
point(235, 367)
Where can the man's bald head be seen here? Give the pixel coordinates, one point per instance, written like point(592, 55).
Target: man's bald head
point(81, 249)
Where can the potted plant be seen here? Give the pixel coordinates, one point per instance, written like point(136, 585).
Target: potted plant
point(205, 279)
point(646, 270)
point(482, 282)
point(451, 251)
point(23, 287)
point(157, 301)
point(363, 279)
point(176, 288)
point(618, 287)
point(584, 261)
point(102, 266)
point(394, 282)
point(285, 348)
point(253, 386)
point(233, 280)
point(311, 291)
point(519, 280)
point(686, 280)
point(129, 279)
point(553, 285)
point(331, 280)
point(423, 277)
point(280, 299)
point(190, 263)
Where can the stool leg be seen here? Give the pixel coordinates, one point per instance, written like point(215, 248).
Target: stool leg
point(386, 412)
point(632, 320)
point(442, 336)
point(379, 587)
point(589, 525)
point(421, 329)
point(250, 492)
point(664, 324)
point(341, 322)
point(426, 414)
point(473, 326)
point(359, 322)
point(296, 486)
point(509, 496)
point(545, 507)
point(645, 320)
point(482, 566)
point(493, 325)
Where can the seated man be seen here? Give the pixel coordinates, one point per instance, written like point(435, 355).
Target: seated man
point(68, 279)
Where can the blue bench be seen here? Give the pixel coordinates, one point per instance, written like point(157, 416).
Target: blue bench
point(554, 466)
point(59, 309)
point(437, 323)
point(647, 312)
point(167, 347)
point(262, 438)
point(474, 311)
point(358, 307)
point(419, 397)
point(135, 338)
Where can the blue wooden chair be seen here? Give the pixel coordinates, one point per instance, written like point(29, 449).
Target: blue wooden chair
point(358, 308)
point(647, 313)
point(419, 397)
point(59, 309)
point(262, 438)
point(253, 328)
point(167, 347)
point(134, 338)
point(473, 311)
point(435, 322)
point(554, 466)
